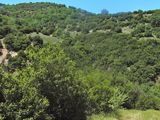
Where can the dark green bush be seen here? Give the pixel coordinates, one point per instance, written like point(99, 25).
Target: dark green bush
point(16, 42)
point(36, 41)
point(117, 29)
point(60, 83)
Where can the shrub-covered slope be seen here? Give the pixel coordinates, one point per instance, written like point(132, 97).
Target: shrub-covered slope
point(65, 63)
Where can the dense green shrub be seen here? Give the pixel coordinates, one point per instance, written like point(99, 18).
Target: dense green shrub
point(103, 97)
point(117, 30)
point(20, 99)
point(149, 98)
point(27, 30)
point(36, 41)
point(155, 21)
point(59, 82)
point(5, 30)
point(138, 32)
point(17, 62)
point(16, 42)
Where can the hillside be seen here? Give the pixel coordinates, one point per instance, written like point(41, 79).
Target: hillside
point(64, 63)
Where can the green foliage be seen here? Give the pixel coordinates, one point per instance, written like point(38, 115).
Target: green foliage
point(99, 66)
point(155, 21)
point(36, 41)
point(21, 99)
point(136, 60)
point(16, 42)
point(142, 31)
point(57, 75)
point(117, 30)
point(27, 30)
point(4, 31)
point(117, 99)
point(149, 99)
point(17, 62)
point(37, 90)
point(103, 97)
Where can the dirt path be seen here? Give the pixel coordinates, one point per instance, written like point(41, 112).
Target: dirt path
point(4, 52)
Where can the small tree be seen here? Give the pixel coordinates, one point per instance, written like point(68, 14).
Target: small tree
point(104, 12)
point(59, 82)
point(20, 98)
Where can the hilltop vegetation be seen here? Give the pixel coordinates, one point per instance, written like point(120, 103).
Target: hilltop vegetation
point(69, 63)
